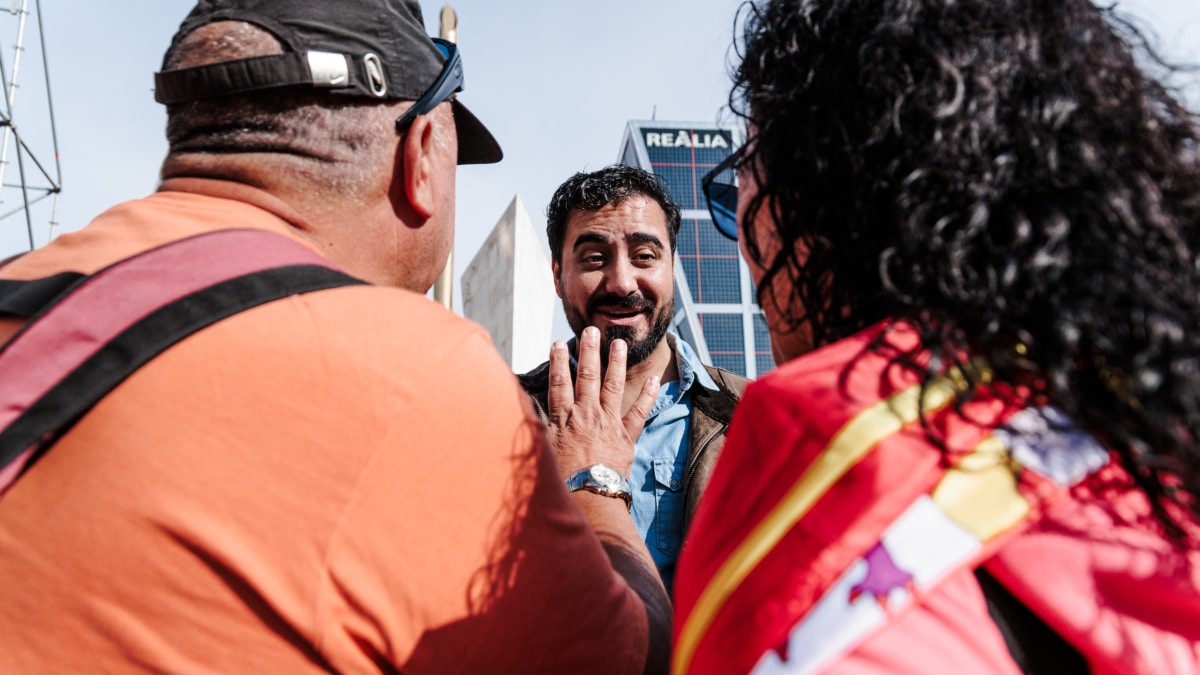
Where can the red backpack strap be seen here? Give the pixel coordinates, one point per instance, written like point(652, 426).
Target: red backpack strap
point(103, 327)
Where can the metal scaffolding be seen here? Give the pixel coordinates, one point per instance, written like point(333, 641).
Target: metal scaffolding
point(38, 179)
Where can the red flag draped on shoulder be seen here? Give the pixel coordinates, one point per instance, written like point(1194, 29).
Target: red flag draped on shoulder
point(815, 469)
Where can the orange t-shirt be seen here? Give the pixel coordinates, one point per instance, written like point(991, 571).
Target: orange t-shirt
point(347, 480)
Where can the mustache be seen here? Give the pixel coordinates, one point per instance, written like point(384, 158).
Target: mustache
point(636, 302)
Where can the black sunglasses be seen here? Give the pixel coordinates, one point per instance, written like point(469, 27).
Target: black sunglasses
point(722, 195)
point(448, 82)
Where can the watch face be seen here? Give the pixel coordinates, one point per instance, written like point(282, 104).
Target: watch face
point(606, 475)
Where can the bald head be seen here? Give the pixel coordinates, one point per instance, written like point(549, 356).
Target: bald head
point(221, 41)
point(336, 165)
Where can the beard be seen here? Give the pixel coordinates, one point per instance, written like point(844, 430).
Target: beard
point(639, 349)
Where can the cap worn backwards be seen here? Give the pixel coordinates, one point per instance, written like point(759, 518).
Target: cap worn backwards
point(361, 48)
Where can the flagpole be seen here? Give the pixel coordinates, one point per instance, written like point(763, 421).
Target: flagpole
point(443, 288)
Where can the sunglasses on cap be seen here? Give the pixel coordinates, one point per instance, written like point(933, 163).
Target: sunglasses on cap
point(722, 195)
point(448, 82)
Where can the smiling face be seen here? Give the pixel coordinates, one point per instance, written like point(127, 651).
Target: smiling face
point(617, 274)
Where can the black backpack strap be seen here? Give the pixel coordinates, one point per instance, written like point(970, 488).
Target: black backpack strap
point(1036, 648)
point(77, 349)
point(27, 298)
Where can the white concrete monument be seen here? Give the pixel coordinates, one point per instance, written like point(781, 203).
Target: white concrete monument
point(508, 289)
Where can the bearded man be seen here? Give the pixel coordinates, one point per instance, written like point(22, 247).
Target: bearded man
point(612, 238)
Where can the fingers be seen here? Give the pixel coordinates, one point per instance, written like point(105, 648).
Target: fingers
point(635, 419)
point(586, 425)
point(587, 380)
point(561, 395)
point(613, 390)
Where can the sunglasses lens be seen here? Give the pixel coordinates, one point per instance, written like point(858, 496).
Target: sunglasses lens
point(722, 206)
point(722, 195)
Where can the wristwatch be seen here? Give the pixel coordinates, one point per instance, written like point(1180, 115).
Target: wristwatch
point(603, 480)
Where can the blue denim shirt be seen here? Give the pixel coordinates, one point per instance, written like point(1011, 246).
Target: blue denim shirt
point(659, 463)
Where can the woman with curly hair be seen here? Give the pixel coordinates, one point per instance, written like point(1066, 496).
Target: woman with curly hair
point(974, 227)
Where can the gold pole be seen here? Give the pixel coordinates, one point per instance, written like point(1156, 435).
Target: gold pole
point(443, 288)
point(449, 24)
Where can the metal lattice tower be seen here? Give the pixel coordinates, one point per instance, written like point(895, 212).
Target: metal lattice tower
point(34, 142)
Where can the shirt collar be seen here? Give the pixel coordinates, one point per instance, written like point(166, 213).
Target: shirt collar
point(691, 370)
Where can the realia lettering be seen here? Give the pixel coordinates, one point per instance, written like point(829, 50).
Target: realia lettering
point(685, 139)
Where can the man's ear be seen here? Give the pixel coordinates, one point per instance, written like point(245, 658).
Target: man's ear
point(556, 271)
point(417, 155)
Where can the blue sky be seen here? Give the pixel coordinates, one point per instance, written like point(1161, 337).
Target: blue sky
point(555, 81)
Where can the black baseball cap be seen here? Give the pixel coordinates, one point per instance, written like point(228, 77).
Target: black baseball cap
point(374, 49)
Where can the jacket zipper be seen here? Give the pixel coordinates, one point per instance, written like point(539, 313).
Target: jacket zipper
point(687, 481)
point(538, 410)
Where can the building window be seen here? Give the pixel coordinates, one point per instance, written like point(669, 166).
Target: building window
point(726, 342)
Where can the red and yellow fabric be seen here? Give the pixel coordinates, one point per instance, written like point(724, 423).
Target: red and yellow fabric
point(834, 538)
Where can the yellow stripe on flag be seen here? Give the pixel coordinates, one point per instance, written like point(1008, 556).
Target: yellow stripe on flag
point(852, 443)
point(980, 494)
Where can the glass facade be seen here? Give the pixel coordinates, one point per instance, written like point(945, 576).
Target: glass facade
point(714, 300)
point(762, 345)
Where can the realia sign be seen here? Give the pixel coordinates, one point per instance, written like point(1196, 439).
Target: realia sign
point(685, 138)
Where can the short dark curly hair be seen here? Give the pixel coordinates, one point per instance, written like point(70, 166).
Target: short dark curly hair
point(593, 191)
point(1004, 176)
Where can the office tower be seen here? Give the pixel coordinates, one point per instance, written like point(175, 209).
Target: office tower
point(715, 308)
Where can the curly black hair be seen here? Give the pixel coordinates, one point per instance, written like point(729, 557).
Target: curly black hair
point(597, 189)
point(1003, 175)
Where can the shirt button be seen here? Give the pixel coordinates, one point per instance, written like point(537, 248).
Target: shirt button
point(674, 483)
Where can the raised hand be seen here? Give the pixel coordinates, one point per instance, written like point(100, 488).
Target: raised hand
point(586, 422)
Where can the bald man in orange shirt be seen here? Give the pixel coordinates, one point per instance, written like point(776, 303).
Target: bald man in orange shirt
point(348, 480)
